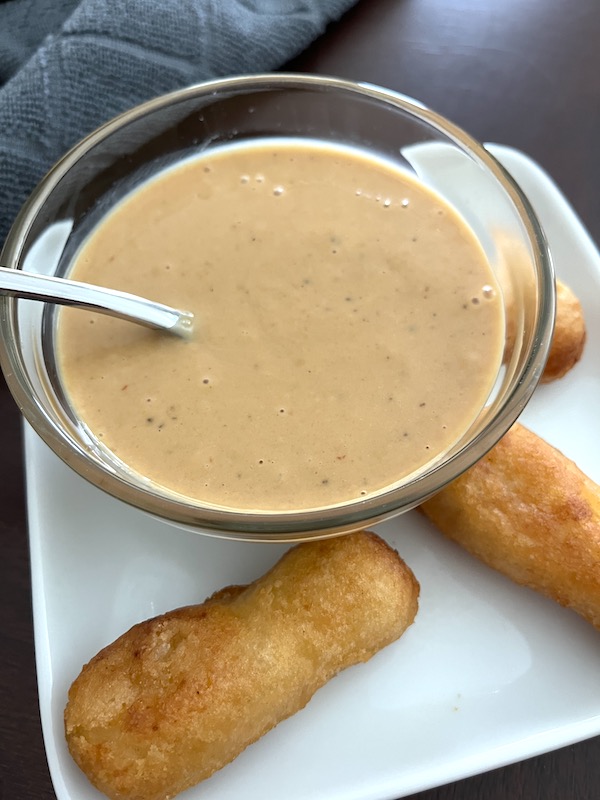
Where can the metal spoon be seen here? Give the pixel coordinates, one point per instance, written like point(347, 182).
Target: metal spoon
point(16, 283)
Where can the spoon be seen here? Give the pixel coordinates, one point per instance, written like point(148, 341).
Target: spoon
point(16, 283)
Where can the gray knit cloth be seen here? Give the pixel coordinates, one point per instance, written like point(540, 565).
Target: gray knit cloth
point(66, 66)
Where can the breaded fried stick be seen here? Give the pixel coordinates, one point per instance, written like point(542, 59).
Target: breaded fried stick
point(569, 336)
point(528, 511)
point(178, 697)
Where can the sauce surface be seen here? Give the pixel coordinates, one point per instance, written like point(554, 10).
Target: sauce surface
point(348, 328)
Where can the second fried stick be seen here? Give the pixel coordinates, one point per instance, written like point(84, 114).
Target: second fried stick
point(569, 336)
point(529, 512)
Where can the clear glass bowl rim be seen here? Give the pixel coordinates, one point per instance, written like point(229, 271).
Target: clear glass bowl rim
point(279, 525)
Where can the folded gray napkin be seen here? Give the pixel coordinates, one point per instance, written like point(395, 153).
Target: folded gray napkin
point(66, 66)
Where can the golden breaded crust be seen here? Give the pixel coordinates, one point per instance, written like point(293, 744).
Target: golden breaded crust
point(528, 511)
point(568, 340)
point(179, 696)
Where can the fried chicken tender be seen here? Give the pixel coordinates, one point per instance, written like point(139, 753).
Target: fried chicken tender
point(529, 512)
point(569, 337)
point(179, 696)
point(513, 273)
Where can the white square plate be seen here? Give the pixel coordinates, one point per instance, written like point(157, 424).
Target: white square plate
point(489, 673)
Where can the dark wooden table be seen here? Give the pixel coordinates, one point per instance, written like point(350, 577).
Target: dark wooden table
point(524, 73)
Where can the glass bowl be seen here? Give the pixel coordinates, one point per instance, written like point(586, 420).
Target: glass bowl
point(116, 158)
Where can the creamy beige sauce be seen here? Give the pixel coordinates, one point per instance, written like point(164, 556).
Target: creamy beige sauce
point(348, 328)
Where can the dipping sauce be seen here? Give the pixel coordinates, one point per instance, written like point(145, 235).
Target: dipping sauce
point(349, 327)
